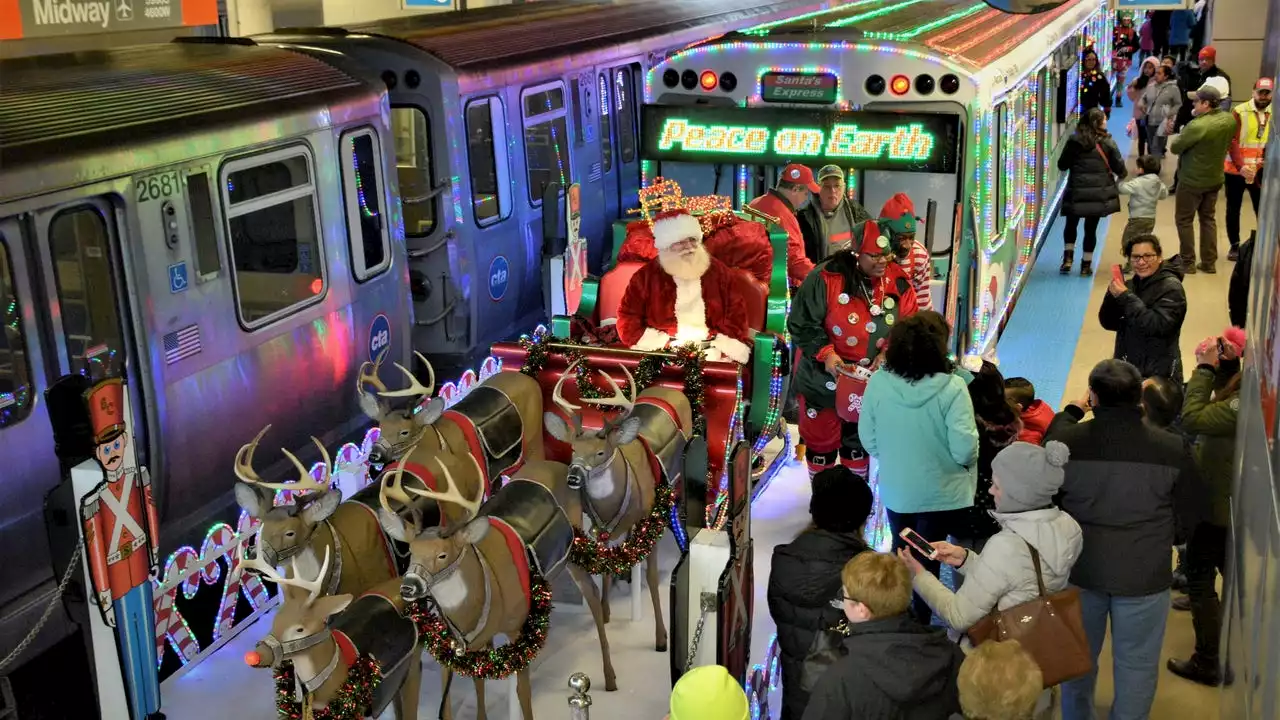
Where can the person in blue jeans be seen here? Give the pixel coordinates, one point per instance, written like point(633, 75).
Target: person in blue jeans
point(1135, 492)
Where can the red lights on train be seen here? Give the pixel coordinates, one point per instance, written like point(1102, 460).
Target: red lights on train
point(900, 84)
point(708, 80)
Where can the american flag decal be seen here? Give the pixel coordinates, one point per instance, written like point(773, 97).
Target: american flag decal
point(182, 344)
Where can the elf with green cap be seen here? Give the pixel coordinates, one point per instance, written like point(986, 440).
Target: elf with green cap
point(898, 221)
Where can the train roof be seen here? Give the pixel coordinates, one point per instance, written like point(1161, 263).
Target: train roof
point(107, 100)
point(968, 31)
point(473, 41)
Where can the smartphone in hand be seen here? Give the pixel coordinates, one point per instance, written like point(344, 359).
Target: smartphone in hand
point(1117, 274)
point(918, 543)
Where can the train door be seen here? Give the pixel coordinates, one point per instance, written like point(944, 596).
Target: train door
point(546, 126)
point(610, 168)
point(26, 443)
point(589, 133)
point(626, 108)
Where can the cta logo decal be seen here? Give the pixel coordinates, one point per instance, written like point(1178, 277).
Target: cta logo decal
point(379, 336)
point(499, 278)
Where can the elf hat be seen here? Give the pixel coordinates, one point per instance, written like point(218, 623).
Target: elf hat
point(898, 216)
point(708, 692)
point(873, 241)
point(675, 226)
point(1235, 336)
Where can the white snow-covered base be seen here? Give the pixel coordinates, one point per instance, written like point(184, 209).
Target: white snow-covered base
point(223, 686)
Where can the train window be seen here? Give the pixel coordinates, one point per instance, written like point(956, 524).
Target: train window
point(606, 129)
point(625, 102)
point(80, 245)
point(361, 182)
point(204, 226)
point(546, 140)
point(15, 377)
point(413, 170)
point(579, 120)
point(486, 143)
point(999, 148)
point(274, 227)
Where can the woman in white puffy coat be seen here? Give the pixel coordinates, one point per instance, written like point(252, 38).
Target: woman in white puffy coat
point(1025, 479)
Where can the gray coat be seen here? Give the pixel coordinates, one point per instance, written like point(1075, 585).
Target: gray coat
point(1162, 101)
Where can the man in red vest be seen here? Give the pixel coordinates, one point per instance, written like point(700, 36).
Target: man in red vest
point(795, 184)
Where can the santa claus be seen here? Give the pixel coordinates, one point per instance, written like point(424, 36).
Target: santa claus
point(684, 295)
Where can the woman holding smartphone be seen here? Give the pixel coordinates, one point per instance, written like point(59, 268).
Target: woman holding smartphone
point(1146, 311)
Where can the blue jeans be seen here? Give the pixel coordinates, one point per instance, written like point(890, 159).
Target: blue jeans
point(1137, 634)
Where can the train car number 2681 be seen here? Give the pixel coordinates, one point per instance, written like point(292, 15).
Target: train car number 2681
point(158, 187)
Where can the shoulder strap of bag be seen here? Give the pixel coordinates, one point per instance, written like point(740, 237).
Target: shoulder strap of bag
point(1105, 161)
point(1035, 560)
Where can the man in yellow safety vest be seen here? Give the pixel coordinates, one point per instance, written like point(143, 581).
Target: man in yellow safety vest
point(1253, 122)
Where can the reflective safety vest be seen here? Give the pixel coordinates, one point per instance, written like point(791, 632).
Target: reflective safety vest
point(1254, 126)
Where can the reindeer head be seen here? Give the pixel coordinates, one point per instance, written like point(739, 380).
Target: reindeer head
point(434, 552)
point(301, 623)
point(287, 529)
point(399, 428)
point(593, 450)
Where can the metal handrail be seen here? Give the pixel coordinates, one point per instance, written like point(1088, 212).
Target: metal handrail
point(579, 701)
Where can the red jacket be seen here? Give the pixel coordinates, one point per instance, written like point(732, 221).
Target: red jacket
point(647, 315)
point(1035, 421)
point(774, 205)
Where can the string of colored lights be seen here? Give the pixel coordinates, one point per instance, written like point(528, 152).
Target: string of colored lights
point(870, 14)
point(902, 36)
point(764, 29)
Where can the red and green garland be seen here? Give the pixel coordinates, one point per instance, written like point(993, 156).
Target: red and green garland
point(488, 663)
point(688, 357)
point(353, 701)
point(596, 556)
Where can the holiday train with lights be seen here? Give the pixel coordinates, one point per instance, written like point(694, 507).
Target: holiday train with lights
point(960, 106)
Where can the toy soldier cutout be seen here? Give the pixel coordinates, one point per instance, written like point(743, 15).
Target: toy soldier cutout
point(121, 535)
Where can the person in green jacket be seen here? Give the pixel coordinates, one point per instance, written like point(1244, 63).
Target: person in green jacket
point(1211, 414)
point(1203, 145)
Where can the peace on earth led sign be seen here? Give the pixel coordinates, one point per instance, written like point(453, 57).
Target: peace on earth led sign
point(910, 142)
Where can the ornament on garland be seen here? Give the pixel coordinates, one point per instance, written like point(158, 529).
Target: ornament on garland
point(352, 702)
point(598, 557)
point(488, 663)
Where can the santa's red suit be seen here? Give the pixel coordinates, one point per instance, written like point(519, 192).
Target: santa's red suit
point(701, 303)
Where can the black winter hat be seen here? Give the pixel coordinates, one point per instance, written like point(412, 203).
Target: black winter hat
point(841, 500)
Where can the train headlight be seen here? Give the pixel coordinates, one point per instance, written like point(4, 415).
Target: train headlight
point(670, 77)
point(900, 85)
point(728, 82)
point(950, 83)
point(924, 84)
point(689, 79)
point(874, 85)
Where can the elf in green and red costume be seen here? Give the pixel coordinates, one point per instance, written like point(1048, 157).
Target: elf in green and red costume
point(898, 222)
point(840, 321)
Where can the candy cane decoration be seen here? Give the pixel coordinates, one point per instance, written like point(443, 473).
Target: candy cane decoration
point(170, 625)
point(254, 591)
point(218, 545)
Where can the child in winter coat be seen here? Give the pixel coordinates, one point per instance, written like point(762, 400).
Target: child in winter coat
point(1138, 126)
point(1145, 190)
point(1036, 414)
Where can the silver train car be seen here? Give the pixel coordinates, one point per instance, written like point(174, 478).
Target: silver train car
point(217, 222)
point(489, 108)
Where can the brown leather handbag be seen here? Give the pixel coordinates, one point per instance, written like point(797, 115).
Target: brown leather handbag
point(1050, 628)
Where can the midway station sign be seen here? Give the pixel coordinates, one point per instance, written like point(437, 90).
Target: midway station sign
point(908, 142)
point(49, 18)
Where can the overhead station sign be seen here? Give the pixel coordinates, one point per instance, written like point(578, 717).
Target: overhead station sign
point(50, 18)
point(909, 142)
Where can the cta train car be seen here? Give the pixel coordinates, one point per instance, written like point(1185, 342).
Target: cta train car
point(219, 225)
point(947, 101)
point(490, 109)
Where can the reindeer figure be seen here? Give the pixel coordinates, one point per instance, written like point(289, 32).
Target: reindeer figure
point(316, 523)
point(479, 579)
point(499, 421)
point(615, 467)
point(322, 651)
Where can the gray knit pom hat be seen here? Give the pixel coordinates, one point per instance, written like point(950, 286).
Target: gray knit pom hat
point(1029, 475)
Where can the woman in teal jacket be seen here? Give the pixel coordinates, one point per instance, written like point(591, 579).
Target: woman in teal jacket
point(918, 423)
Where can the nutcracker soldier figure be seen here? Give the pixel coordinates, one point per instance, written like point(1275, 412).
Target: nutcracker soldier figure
point(121, 535)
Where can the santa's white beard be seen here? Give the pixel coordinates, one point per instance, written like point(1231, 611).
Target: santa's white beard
point(682, 266)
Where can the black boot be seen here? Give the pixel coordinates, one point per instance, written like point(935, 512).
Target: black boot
point(1196, 670)
point(1068, 258)
point(1086, 268)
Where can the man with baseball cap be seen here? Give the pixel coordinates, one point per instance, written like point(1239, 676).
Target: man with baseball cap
point(1201, 146)
point(1253, 128)
point(792, 190)
point(829, 220)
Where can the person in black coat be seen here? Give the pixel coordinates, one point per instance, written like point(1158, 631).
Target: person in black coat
point(1146, 312)
point(1238, 290)
point(805, 577)
point(1096, 164)
point(999, 423)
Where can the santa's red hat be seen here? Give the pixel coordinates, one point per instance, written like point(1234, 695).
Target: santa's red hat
point(873, 241)
point(674, 226)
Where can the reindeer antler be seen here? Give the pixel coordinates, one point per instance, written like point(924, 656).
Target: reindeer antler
point(558, 397)
point(619, 399)
point(415, 389)
point(368, 377)
point(392, 487)
point(312, 587)
point(452, 494)
point(306, 483)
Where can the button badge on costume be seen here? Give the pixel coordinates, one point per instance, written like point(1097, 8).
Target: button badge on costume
point(811, 413)
point(871, 327)
point(831, 384)
point(837, 331)
point(843, 298)
point(888, 320)
point(851, 341)
point(853, 318)
point(875, 311)
point(889, 303)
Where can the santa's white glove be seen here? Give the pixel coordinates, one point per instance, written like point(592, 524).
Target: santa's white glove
point(731, 348)
point(652, 339)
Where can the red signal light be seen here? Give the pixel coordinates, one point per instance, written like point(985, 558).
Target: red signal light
point(900, 84)
point(708, 80)
point(316, 286)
